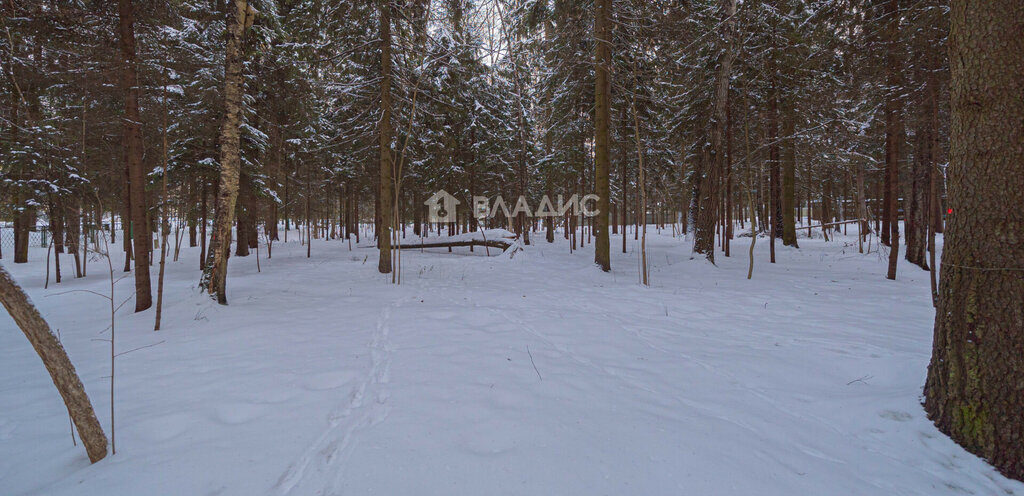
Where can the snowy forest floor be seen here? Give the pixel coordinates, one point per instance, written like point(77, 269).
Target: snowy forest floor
point(537, 374)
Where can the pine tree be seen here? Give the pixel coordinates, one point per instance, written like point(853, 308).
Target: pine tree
point(385, 199)
point(132, 143)
point(714, 166)
point(975, 387)
point(602, 119)
point(893, 127)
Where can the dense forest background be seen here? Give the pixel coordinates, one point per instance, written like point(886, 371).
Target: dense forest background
point(827, 104)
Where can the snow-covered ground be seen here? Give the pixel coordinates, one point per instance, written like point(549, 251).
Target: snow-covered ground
point(531, 375)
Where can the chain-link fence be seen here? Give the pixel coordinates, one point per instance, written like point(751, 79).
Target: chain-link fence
point(39, 237)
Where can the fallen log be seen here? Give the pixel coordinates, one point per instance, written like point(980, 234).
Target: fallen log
point(493, 243)
point(830, 224)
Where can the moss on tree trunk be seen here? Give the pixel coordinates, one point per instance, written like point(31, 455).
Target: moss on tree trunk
point(975, 386)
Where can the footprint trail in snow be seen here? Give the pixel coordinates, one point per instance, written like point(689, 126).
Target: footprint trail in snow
point(321, 466)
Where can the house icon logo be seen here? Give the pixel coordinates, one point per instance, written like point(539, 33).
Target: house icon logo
point(442, 207)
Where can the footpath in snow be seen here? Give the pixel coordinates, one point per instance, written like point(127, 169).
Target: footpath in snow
point(530, 375)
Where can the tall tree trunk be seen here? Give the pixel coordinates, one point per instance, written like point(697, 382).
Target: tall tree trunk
point(624, 179)
point(707, 215)
point(774, 197)
point(934, 201)
point(789, 176)
point(165, 224)
point(917, 216)
point(58, 235)
point(215, 273)
point(827, 216)
point(385, 199)
point(21, 217)
point(57, 363)
point(924, 162)
point(132, 144)
point(22, 222)
point(975, 386)
point(355, 212)
point(73, 227)
point(727, 234)
point(192, 215)
point(602, 118)
point(57, 225)
point(862, 210)
point(242, 225)
point(350, 218)
point(893, 129)
point(938, 210)
point(203, 212)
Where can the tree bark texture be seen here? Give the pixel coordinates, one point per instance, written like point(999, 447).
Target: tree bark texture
point(215, 273)
point(975, 387)
point(893, 129)
point(602, 118)
point(707, 215)
point(789, 177)
point(385, 199)
point(132, 149)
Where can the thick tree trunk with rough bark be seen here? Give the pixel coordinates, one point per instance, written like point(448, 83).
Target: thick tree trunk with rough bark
point(214, 278)
point(707, 215)
point(602, 118)
point(57, 363)
point(975, 388)
point(132, 143)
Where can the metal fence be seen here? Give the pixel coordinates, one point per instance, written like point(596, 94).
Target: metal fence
point(40, 237)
